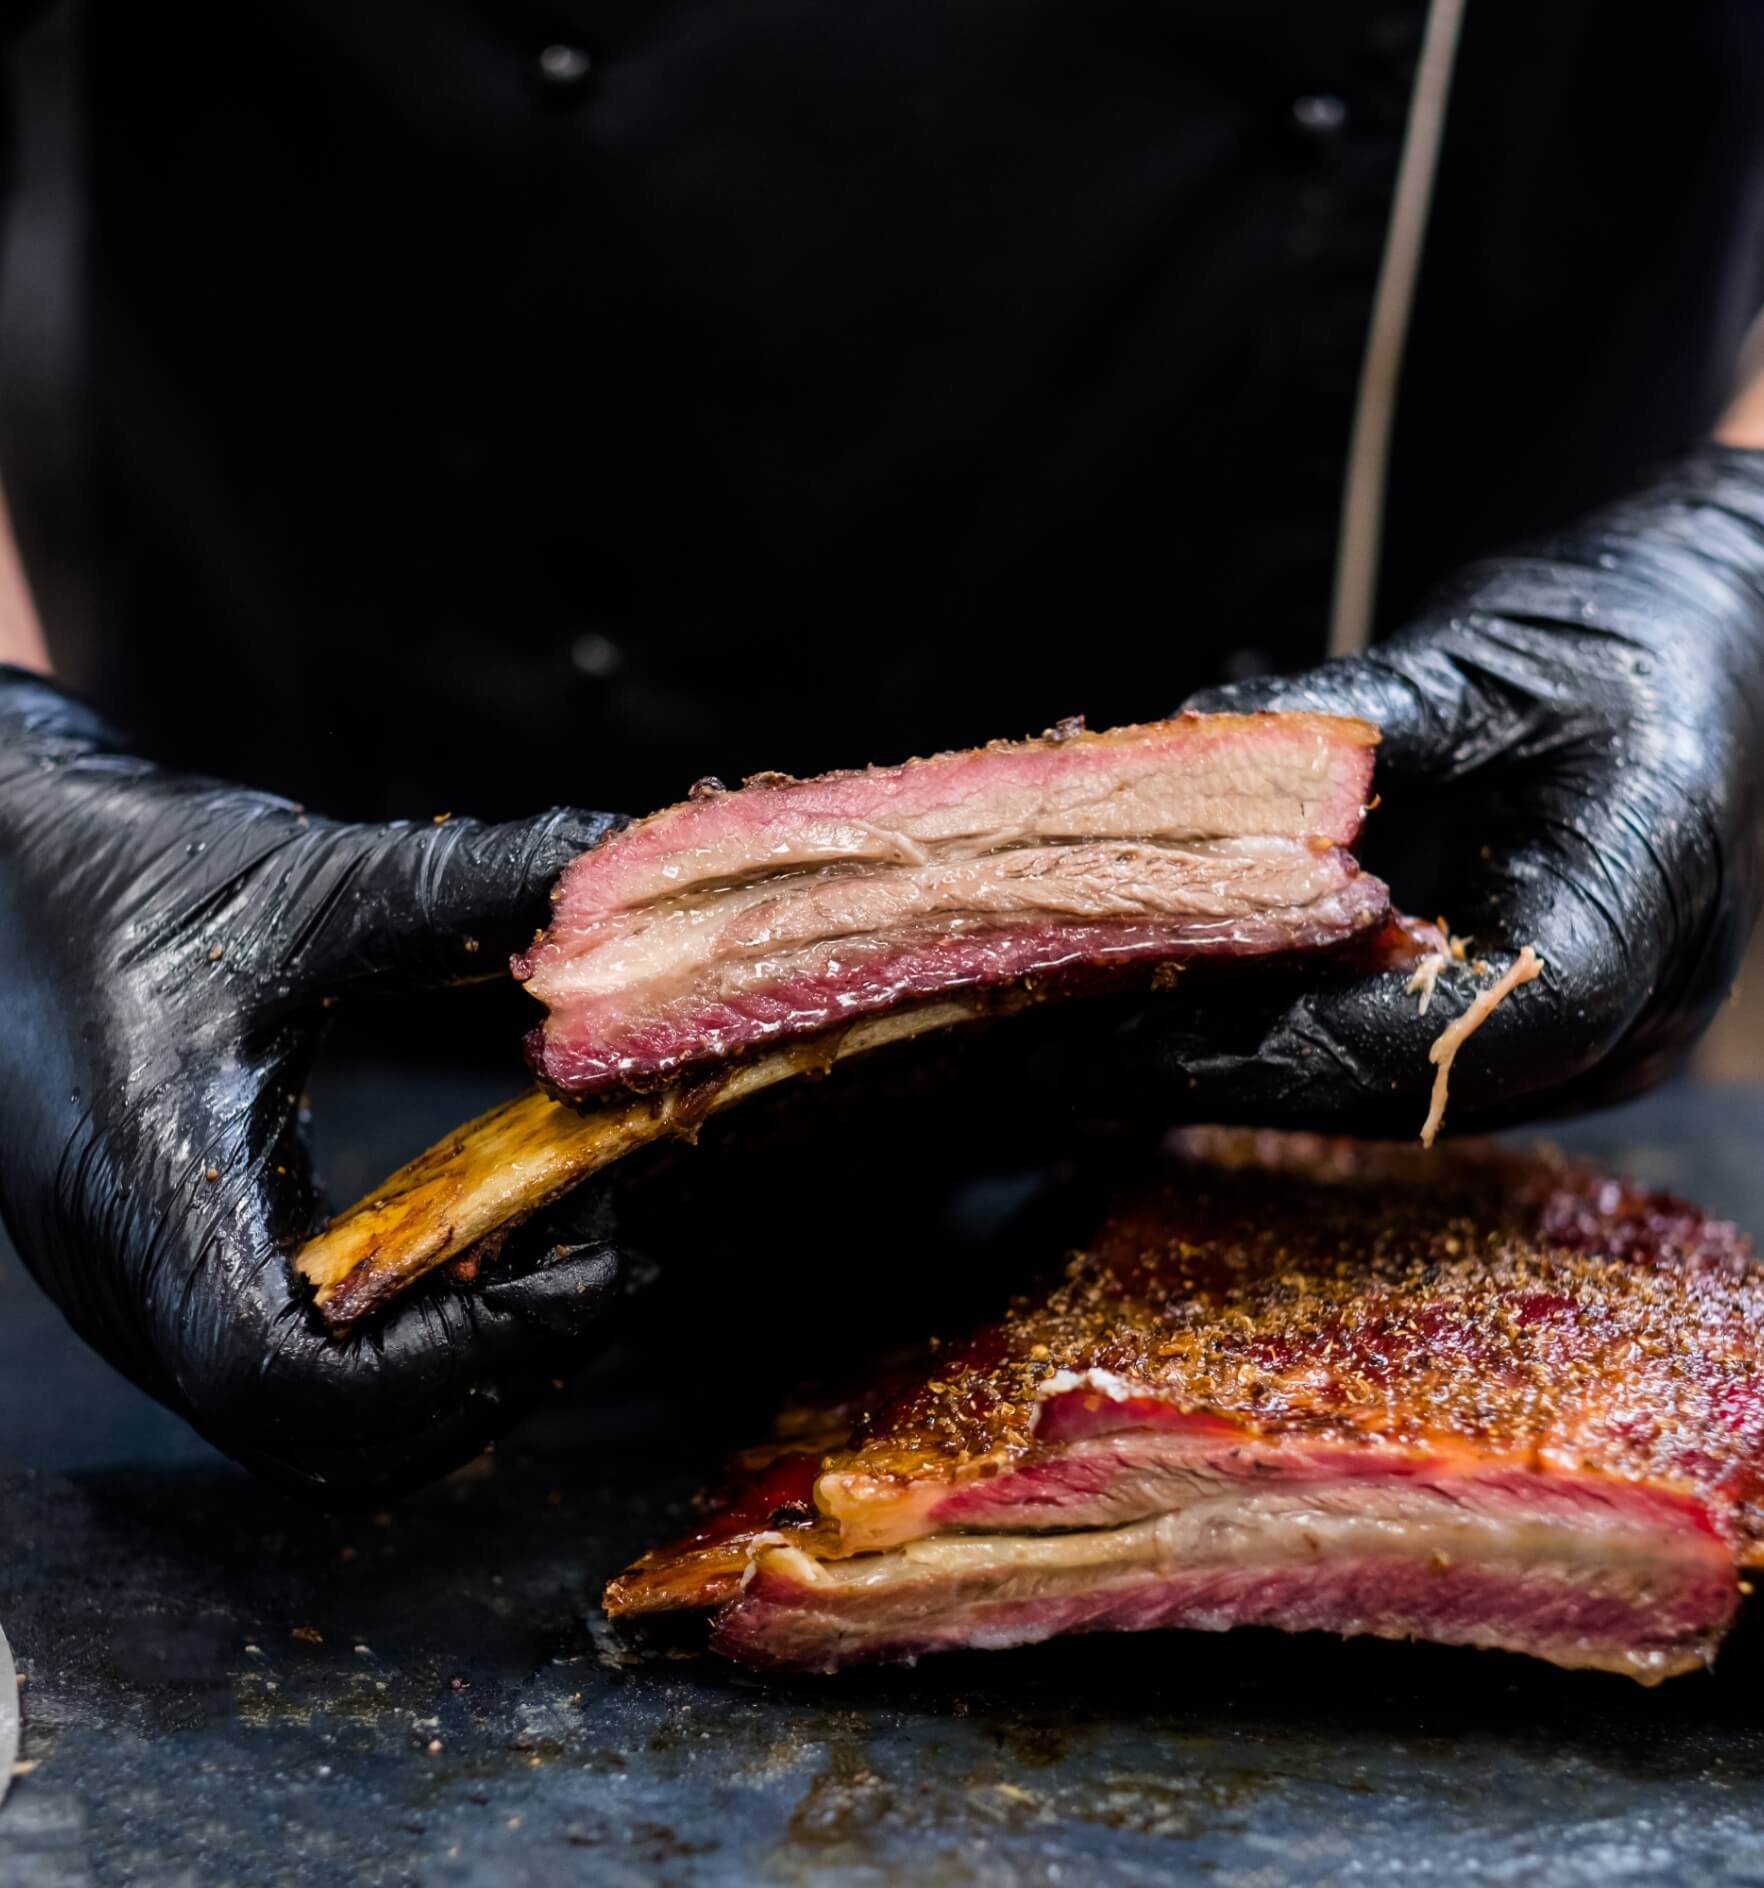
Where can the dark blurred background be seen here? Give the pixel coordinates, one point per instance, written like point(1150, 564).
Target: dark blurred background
point(39, 333)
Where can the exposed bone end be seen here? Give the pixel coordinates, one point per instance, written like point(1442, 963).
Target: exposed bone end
point(500, 1169)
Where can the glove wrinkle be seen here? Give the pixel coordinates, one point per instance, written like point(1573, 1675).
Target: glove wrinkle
point(565, 1293)
point(419, 894)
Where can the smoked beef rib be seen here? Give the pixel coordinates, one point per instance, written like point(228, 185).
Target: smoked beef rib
point(1468, 1396)
point(741, 919)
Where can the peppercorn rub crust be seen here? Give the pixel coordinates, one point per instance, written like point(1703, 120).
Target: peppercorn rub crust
point(1473, 1397)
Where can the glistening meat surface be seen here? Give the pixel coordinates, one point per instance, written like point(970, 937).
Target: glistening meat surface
point(789, 907)
point(1465, 1396)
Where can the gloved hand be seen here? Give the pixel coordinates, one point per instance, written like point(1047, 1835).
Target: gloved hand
point(1573, 758)
point(171, 946)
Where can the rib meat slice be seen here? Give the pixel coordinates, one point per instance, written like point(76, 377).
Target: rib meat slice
point(1469, 1396)
point(789, 907)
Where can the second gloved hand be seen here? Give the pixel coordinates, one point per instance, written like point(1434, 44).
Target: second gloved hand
point(172, 945)
point(1574, 749)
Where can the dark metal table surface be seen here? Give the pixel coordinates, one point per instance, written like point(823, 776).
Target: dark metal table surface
point(225, 1687)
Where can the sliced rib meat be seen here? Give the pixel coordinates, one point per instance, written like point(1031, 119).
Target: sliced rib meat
point(1467, 1396)
point(789, 907)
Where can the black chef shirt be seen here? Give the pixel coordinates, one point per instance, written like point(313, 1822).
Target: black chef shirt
point(500, 403)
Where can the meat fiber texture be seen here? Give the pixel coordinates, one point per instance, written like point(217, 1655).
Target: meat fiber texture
point(1466, 1396)
point(790, 907)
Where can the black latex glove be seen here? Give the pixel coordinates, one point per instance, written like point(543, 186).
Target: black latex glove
point(1572, 759)
point(171, 946)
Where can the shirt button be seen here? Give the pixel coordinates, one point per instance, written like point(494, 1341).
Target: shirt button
point(564, 66)
point(1322, 114)
point(595, 655)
